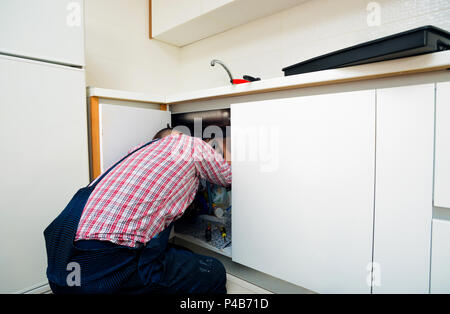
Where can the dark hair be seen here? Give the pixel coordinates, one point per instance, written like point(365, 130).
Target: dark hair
point(163, 133)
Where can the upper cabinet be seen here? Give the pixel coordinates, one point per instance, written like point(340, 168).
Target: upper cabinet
point(48, 30)
point(183, 22)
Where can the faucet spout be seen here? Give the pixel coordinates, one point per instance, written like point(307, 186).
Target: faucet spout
point(213, 63)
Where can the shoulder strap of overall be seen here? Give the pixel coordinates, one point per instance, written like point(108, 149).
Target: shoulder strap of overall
point(96, 181)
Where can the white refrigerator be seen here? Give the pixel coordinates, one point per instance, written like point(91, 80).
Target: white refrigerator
point(43, 138)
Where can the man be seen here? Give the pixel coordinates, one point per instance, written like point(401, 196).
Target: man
point(121, 240)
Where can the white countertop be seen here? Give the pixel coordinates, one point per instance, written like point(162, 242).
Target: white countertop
point(418, 64)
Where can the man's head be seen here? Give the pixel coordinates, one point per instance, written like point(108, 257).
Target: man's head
point(165, 132)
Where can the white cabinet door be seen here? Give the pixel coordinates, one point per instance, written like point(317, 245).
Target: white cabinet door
point(43, 161)
point(442, 164)
point(403, 192)
point(125, 126)
point(303, 189)
point(440, 257)
point(51, 30)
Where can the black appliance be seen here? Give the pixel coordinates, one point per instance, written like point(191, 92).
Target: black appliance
point(413, 42)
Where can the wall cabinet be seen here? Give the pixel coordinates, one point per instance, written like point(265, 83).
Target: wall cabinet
point(183, 22)
point(50, 30)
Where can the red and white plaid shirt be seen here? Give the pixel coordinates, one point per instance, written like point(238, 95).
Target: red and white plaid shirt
point(149, 189)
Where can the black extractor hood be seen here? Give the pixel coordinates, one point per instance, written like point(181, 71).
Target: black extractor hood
point(414, 42)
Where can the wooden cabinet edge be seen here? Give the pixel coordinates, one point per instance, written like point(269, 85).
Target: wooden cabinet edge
point(150, 19)
point(94, 136)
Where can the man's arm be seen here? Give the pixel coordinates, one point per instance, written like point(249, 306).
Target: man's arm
point(210, 165)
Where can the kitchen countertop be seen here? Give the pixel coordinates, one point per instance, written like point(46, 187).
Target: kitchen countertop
point(417, 64)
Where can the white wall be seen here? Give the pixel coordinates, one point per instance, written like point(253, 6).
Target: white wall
point(119, 53)
point(263, 47)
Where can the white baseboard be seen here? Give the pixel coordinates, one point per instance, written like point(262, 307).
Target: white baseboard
point(42, 288)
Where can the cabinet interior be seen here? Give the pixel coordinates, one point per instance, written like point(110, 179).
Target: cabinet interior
point(207, 221)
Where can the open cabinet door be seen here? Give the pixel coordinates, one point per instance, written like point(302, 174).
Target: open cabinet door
point(303, 189)
point(117, 127)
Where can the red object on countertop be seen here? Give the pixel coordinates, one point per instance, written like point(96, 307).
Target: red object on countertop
point(240, 81)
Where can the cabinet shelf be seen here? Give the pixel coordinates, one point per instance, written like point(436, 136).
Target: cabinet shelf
point(188, 238)
point(193, 231)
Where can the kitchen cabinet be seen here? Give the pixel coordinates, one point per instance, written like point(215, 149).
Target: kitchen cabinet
point(333, 192)
point(48, 30)
point(44, 139)
point(183, 22)
point(44, 161)
point(403, 188)
point(302, 204)
point(116, 128)
point(442, 166)
point(303, 174)
point(440, 257)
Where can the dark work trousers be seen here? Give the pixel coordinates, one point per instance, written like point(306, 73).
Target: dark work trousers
point(91, 266)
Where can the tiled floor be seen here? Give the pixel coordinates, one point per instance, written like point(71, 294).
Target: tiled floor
point(239, 286)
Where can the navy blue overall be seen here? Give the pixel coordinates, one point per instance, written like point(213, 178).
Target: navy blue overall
point(105, 267)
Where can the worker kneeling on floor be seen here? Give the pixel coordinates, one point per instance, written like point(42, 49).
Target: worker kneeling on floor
point(113, 235)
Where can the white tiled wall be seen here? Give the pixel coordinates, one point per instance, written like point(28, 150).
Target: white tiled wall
point(263, 47)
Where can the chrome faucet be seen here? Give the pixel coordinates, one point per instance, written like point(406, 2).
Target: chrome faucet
point(213, 63)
